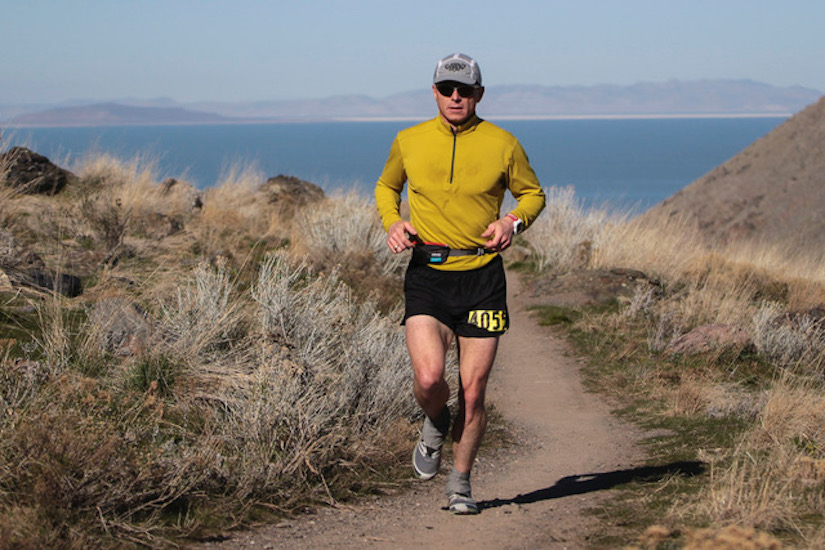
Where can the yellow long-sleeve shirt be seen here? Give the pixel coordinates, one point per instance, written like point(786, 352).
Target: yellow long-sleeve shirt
point(456, 183)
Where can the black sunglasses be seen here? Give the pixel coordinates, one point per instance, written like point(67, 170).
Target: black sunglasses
point(446, 89)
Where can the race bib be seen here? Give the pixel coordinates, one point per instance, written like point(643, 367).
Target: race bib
point(488, 319)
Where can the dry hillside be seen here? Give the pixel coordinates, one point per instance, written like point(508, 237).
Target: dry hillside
point(773, 191)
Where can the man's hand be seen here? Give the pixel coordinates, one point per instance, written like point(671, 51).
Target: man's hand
point(499, 234)
point(398, 236)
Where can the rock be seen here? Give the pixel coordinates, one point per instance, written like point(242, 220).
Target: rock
point(157, 226)
point(62, 283)
point(518, 253)
point(183, 192)
point(67, 285)
point(31, 173)
point(710, 338)
point(814, 315)
point(289, 191)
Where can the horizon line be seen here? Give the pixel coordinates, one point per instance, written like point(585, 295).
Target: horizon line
point(8, 125)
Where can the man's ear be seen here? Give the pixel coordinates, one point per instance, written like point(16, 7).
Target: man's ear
point(479, 94)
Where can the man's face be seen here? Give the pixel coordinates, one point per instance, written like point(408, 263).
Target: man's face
point(455, 108)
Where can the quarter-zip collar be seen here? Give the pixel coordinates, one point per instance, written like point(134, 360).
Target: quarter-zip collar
point(466, 127)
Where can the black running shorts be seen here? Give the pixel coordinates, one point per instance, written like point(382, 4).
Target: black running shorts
point(471, 303)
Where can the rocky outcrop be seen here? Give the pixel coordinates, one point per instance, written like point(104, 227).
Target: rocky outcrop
point(31, 173)
point(289, 191)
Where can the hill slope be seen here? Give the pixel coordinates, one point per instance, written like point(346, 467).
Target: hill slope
point(773, 191)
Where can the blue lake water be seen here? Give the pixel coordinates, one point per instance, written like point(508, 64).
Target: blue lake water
point(626, 163)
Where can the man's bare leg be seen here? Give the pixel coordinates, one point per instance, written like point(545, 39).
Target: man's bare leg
point(476, 359)
point(428, 341)
point(476, 356)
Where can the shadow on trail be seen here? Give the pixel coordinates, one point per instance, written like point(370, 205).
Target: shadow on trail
point(587, 483)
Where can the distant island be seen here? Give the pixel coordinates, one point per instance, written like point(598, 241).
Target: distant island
point(647, 99)
point(114, 114)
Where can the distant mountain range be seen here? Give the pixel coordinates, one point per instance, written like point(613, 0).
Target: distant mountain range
point(671, 98)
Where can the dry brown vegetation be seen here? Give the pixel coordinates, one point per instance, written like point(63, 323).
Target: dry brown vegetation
point(223, 361)
point(762, 397)
point(230, 358)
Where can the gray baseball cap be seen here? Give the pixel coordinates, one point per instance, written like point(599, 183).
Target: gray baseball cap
point(458, 67)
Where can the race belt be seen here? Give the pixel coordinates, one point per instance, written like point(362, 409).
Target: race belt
point(438, 253)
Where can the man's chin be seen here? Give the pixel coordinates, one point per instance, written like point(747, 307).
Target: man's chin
point(457, 119)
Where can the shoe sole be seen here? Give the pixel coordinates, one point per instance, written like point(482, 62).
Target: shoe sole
point(464, 506)
point(463, 510)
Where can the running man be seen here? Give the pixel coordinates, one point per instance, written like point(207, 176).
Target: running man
point(457, 168)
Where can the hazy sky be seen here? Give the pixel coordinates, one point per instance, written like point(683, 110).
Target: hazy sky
point(53, 50)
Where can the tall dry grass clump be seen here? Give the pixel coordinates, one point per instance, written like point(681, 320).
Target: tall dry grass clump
point(231, 208)
point(121, 194)
point(566, 235)
point(207, 374)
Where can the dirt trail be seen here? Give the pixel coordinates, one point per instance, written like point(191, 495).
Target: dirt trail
point(532, 495)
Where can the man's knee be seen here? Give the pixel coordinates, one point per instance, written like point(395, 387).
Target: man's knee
point(429, 381)
point(473, 404)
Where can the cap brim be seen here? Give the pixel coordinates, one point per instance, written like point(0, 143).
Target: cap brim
point(455, 78)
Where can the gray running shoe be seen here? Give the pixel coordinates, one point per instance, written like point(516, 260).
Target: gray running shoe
point(463, 505)
point(426, 461)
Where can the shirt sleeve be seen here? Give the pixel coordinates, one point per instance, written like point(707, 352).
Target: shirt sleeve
point(525, 187)
point(389, 186)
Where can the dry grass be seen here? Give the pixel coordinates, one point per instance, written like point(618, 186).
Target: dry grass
point(344, 234)
point(230, 357)
point(772, 480)
point(209, 372)
point(567, 235)
point(731, 537)
point(747, 285)
point(7, 196)
point(231, 205)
